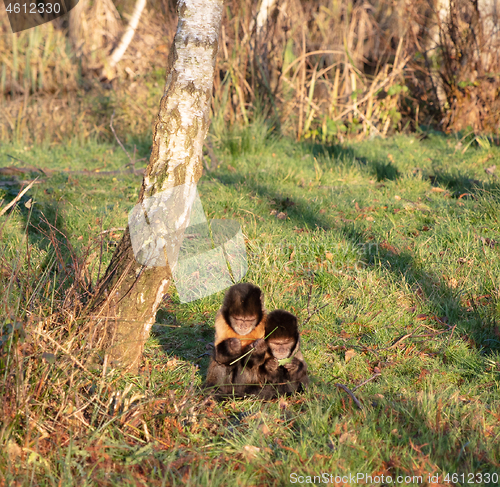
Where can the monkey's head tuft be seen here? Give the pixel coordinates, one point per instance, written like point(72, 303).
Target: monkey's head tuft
point(242, 307)
point(282, 324)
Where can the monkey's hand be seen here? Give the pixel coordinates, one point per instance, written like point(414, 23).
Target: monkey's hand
point(233, 346)
point(260, 346)
point(227, 350)
point(272, 365)
point(293, 366)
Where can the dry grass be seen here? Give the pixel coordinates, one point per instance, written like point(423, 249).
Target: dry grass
point(319, 70)
point(411, 326)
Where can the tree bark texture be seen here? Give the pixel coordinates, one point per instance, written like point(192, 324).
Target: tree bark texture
point(130, 293)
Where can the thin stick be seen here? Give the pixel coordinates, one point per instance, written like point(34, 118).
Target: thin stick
point(117, 229)
point(346, 389)
point(18, 197)
point(374, 376)
point(316, 310)
point(118, 140)
point(252, 349)
point(67, 352)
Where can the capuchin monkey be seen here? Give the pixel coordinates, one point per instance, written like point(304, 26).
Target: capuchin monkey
point(239, 328)
point(284, 370)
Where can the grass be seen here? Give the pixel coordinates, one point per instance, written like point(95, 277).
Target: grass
point(398, 237)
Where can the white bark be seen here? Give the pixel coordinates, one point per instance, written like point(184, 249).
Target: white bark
point(130, 292)
point(129, 33)
point(266, 8)
point(186, 102)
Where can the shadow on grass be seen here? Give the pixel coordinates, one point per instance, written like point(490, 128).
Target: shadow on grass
point(381, 170)
point(61, 264)
point(186, 342)
point(479, 325)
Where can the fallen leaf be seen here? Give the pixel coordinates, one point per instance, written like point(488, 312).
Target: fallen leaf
point(265, 430)
point(274, 212)
point(49, 357)
point(13, 449)
point(488, 241)
point(349, 354)
point(438, 190)
point(281, 216)
point(251, 451)
point(370, 219)
point(389, 248)
point(491, 169)
point(395, 433)
point(453, 283)
point(329, 256)
point(347, 438)
point(421, 317)
point(397, 197)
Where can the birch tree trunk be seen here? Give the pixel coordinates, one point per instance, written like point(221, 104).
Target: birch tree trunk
point(130, 293)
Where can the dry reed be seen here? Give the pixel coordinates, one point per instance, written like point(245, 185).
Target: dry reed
point(318, 70)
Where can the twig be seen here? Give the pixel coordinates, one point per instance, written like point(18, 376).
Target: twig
point(316, 310)
point(13, 171)
point(393, 74)
point(112, 230)
point(67, 352)
point(310, 314)
point(18, 197)
point(309, 295)
point(119, 141)
point(214, 162)
point(374, 376)
point(399, 340)
point(346, 389)
point(251, 349)
point(15, 158)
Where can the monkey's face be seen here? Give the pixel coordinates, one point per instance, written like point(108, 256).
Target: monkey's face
point(281, 347)
point(243, 325)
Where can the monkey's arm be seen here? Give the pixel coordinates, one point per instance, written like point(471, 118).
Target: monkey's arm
point(257, 356)
point(227, 351)
point(296, 376)
point(296, 367)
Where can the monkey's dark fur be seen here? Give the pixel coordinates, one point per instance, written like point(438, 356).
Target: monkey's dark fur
point(239, 327)
point(282, 327)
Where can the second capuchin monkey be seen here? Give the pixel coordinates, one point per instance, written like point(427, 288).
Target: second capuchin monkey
point(239, 328)
point(284, 370)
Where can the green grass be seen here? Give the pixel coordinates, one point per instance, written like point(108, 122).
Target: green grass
point(399, 237)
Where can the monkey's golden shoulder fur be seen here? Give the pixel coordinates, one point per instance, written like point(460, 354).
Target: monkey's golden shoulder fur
point(223, 331)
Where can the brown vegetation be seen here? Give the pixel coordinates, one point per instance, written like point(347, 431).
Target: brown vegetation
point(320, 70)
